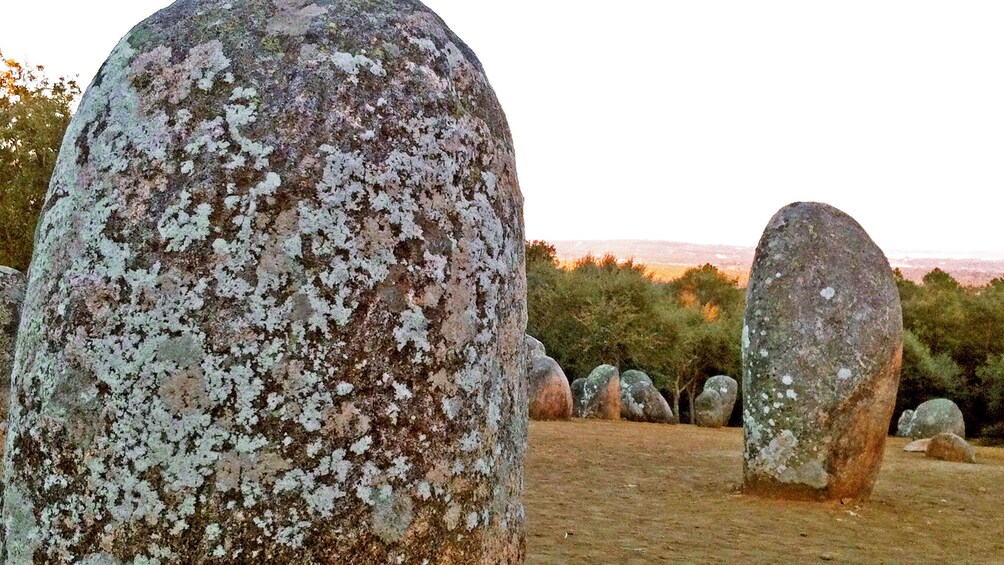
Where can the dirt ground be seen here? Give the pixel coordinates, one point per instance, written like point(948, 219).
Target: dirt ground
point(621, 492)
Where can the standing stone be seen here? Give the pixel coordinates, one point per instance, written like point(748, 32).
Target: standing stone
point(277, 306)
point(712, 413)
point(708, 409)
point(933, 417)
point(598, 395)
point(11, 295)
point(550, 395)
point(641, 401)
point(822, 346)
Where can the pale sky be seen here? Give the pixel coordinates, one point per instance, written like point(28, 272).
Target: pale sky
point(696, 120)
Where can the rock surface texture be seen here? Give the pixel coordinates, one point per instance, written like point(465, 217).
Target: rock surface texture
point(903, 424)
point(641, 401)
point(534, 348)
point(917, 446)
point(598, 395)
point(276, 311)
point(708, 409)
point(550, 396)
point(931, 418)
point(11, 295)
point(822, 346)
point(715, 415)
point(950, 447)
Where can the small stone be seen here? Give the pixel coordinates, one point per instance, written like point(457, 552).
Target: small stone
point(917, 446)
point(641, 401)
point(950, 447)
point(816, 409)
point(598, 396)
point(712, 413)
point(708, 409)
point(826, 556)
point(549, 394)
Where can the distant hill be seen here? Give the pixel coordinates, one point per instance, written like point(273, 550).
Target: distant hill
point(668, 260)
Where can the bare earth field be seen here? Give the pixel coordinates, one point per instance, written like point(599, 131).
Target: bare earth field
point(622, 492)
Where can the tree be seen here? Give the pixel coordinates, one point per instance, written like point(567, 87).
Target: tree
point(34, 114)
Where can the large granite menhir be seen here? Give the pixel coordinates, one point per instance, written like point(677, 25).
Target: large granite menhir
point(11, 295)
point(822, 346)
point(277, 302)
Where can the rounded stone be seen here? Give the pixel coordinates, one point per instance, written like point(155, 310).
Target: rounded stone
point(12, 285)
point(904, 423)
point(598, 396)
point(276, 309)
point(822, 347)
point(534, 348)
point(641, 402)
point(550, 396)
point(933, 417)
point(633, 376)
point(708, 409)
point(727, 389)
point(950, 447)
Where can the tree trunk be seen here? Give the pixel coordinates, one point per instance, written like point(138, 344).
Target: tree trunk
point(676, 403)
point(690, 402)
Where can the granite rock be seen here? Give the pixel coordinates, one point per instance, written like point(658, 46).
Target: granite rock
point(822, 347)
point(276, 309)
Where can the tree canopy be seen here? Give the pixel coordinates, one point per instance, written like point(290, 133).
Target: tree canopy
point(34, 114)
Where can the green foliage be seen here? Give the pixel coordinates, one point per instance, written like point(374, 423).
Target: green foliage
point(34, 114)
point(954, 348)
point(601, 311)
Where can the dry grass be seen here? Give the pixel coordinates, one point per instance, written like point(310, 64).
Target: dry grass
point(646, 493)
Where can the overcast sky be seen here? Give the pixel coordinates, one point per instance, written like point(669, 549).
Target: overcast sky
point(695, 121)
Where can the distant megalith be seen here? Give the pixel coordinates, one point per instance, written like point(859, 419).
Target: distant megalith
point(950, 447)
point(708, 409)
point(598, 395)
point(931, 418)
point(534, 348)
point(904, 423)
point(719, 399)
point(11, 295)
point(822, 345)
point(550, 395)
point(634, 376)
point(277, 302)
point(641, 401)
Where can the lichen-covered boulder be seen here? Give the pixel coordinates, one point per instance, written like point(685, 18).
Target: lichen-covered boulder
point(11, 295)
point(904, 423)
point(641, 402)
point(714, 405)
point(598, 395)
point(276, 309)
point(550, 396)
point(578, 387)
point(933, 417)
point(950, 447)
point(708, 409)
point(822, 346)
point(632, 377)
point(534, 348)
